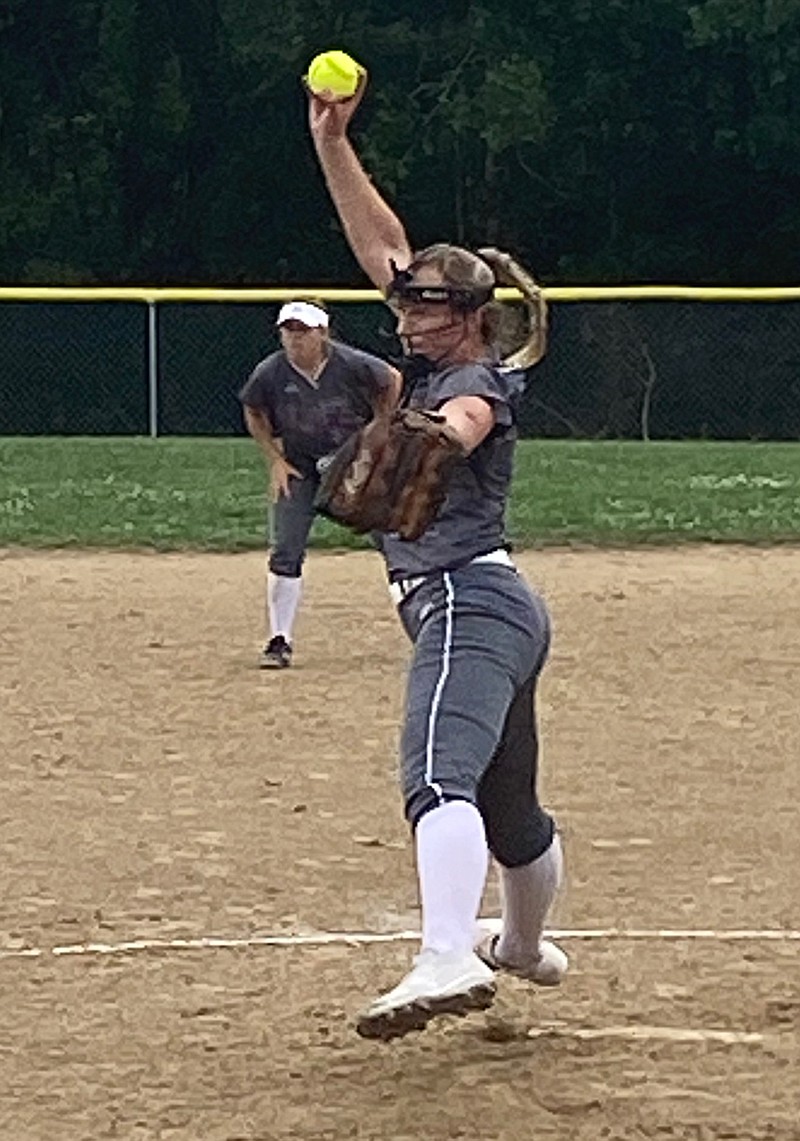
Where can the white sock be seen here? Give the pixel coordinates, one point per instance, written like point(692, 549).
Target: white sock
point(283, 598)
point(528, 894)
point(452, 864)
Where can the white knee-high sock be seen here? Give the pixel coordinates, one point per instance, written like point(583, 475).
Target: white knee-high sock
point(283, 598)
point(528, 894)
point(452, 864)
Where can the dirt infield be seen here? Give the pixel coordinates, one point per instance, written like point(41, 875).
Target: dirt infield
point(157, 786)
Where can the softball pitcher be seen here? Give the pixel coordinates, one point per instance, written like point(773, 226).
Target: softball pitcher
point(480, 635)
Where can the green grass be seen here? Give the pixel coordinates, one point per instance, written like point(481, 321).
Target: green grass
point(210, 493)
point(630, 492)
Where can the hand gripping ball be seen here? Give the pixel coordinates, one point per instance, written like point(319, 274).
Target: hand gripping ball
point(333, 75)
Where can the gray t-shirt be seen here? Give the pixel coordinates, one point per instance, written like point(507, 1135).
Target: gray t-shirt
point(471, 521)
point(314, 419)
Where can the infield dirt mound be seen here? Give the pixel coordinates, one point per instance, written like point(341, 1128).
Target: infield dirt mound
point(157, 785)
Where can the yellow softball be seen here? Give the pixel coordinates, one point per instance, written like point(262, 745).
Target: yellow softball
point(333, 75)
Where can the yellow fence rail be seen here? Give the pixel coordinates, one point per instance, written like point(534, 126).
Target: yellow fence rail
point(153, 295)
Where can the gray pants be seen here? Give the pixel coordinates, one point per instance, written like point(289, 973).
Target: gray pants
point(481, 637)
point(292, 518)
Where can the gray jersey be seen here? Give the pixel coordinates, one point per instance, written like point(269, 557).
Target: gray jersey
point(472, 519)
point(314, 419)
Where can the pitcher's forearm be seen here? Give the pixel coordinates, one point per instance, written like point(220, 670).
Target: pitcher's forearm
point(470, 417)
point(375, 233)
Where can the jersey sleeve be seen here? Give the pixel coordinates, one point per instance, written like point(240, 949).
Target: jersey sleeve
point(473, 379)
point(256, 392)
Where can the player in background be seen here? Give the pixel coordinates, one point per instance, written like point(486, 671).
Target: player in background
point(300, 404)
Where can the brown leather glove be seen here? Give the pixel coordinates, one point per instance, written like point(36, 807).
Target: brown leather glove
point(392, 474)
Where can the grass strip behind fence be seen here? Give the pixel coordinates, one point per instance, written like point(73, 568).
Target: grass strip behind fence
point(210, 494)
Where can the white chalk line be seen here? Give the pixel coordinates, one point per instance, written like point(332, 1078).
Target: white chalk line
point(547, 1031)
point(642, 1033)
point(361, 938)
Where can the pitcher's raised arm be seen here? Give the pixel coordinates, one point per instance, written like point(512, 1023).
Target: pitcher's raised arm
point(375, 234)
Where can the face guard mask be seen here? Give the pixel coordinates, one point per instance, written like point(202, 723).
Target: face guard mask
point(460, 301)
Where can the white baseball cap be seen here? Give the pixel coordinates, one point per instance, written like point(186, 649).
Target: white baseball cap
point(305, 312)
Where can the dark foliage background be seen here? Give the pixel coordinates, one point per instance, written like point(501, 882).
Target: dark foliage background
point(165, 142)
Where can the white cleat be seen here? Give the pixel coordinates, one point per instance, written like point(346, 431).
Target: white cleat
point(546, 969)
point(452, 983)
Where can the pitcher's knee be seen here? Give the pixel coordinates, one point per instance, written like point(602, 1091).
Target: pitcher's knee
point(514, 843)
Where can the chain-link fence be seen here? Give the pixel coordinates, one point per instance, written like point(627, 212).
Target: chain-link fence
point(616, 368)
